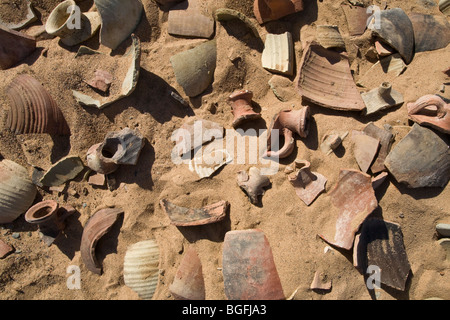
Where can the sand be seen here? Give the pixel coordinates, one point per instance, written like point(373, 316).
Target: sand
point(35, 271)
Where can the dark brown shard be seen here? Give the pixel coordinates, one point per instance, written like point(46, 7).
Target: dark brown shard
point(96, 227)
point(188, 283)
point(101, 81)
point(420, 159)
point(356, 19)
point(430, 32)
point(381, 245)
point(268, 10)
point(249, 270)
point(184, 217)
point(14, 47)
point(386, 139)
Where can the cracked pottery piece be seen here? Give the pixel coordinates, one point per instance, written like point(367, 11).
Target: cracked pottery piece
point(185, 217)
point(14, 47)
point(331, 141)
point(269, 10)
point(353, 200)
point(278, 53)
point(308, 185)
point(241, 105)
point(386, 139)
point(62, 171)
point(187, 20)
point(29, 18)
point(325, 78)
point(365, 149)
point(96, 227)
point(253, 183)
point(381, 98)
point(430, 32)
point(420, 159)
point(431, 111)
point(249, 270)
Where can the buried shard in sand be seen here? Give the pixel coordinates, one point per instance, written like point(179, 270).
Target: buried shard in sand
point(185, 217)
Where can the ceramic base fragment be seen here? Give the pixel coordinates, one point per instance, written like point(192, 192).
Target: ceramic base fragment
point(308, 185)
point(381, 98)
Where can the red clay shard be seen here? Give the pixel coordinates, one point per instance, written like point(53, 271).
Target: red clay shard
point(240, 102)
point(268, 10)
point(432, 111)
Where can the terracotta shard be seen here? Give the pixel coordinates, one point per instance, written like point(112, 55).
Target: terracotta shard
point(307, 184)
point(353, 200)
point(5, 249)
point(329, 37)
point(101, 81)
point(365, 150)
point(331, 141)
point(386, 139)
point(195, 133)
point(268, 10)
point(185, 217)
point(325, 79)
point(32, 109)
point(431, 111)
point(430, 32)
point(249, 270)
point(188, 283)
point(187, 20)
point(383, 49)
point(96, 227)
point(381, 244)
point(420, 159)
point(381, 98)
point(253, 183)
point(395, 28)
point(241, 106)
point(14, 47)
point(278, 53)
point(356, 17)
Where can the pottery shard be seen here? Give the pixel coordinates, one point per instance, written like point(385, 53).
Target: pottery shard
point(420, 159)
point(253, 183)
point(132, 142)
point(356, 19)
point(386, 139)
point(278, 53)
point(101, 81)
point(195, 133)
point(444, 6)
point(381, 244)
point(14, 47)
point(186, 20)
point(184, 217)
point(5, 249)
point(249, 270)
point(62, 171)
point(329, 37)
point(431, 111)
point(307, 184)
point(352, 199)
point(430, 32)
point(381, 98)
point(365, 150)
point(268, 10)
point(325, 79)
point(226, 14)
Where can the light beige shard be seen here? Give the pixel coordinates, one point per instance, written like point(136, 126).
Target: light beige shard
point(278, 53)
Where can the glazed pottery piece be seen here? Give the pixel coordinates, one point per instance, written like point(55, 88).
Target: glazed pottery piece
point(63, 19)
point(32, 109)
point(119, 19)
point(129, 82)
point(188, 283)
point(386, 139)
point(253, 183)
point(331, 141)
point(353, 200)
point(96, 227)
point(278, 53)
point(50, 218)
point(381, 98)
point(62, 171)
point(420, 159)
point(241, 106)
point(381, 244)
point(431, 111)
point(29, 18)
point(329, 37)
point(356, 17)
point(207, 164)
point(141, 268)
point(365, 149)
point(187, 20)
point(194, 68)
point(17, 191)
point(268, 10)
point(249, 270)
point(430, 32)
point(14, 47)
point(308, 185)
point(226, 14)
point(325, 79)
point(185, 217)
point(195, 133)
point(395, 28)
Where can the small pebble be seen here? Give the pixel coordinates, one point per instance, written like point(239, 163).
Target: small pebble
point(15, 235)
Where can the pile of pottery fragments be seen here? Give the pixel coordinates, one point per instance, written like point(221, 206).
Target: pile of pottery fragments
point(324, 78)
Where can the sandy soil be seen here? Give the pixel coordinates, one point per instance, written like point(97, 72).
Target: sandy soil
point(35, 271)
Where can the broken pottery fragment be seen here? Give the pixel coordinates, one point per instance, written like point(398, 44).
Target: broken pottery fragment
point(352, 199)
point(386, 139)
point(50, 218)
point(194, 68)
point(282, 88)
point(195, 133)
point(14, 47)
point(64, 19)
point(131, 59)
point(226, 14)
point(268, 10)
point(331, 141)
point(5, 249)
point(365, 149)
point(241, 105)
point(381, 244)
point(431, 111)
point(379, 179)
point(207, 164)
point(383, 49)
point(278, 53)
point(62, 171)
point(356, 17)
point(388, 68)
point(141, 268)
point(307, 184)
point(185, 217)
point(96, 227)
point(287, 123)
point(17, 191)
point(329, 37)
point(320, 282)
point(101, 81)
point(430, 32)
point(325, 79)
point(32, 109)
point(249, 270)
point(20, 19)
point(253, 183)
point(420, 159)
point(443, 229)
point(395, 28)
point(187, 20)
point(445, 245)
point(188, 283)
point(381, 98)
point(97, 179)
point(444, 6)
